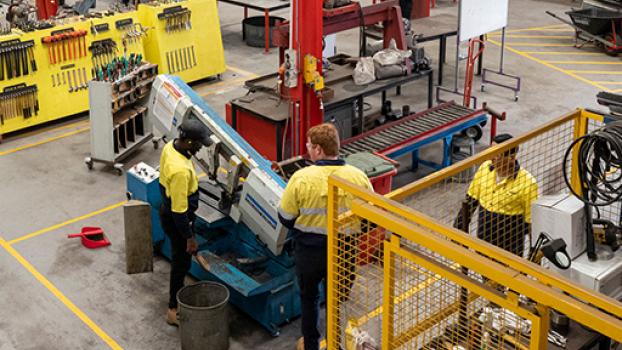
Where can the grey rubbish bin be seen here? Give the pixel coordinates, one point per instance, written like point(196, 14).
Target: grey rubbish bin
point(203, 319)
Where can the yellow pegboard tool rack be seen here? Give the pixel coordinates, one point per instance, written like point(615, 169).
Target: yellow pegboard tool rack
point(183, 38)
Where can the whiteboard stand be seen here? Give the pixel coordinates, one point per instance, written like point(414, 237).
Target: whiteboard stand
point(455, 91)
point(476, 18)
point(489, 76)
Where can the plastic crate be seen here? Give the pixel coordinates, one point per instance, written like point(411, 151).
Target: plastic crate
point(382, 183)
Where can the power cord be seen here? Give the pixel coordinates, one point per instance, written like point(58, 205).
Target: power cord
point(599, 161)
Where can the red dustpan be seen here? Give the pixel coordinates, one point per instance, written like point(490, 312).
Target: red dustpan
point(92, 237)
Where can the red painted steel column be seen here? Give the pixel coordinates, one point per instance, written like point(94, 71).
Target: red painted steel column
point(421, 8)
point(306, 38)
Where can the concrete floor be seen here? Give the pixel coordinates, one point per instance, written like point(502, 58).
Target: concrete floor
point(58, 295)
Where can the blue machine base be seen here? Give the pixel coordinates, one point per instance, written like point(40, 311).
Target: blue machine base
point(261, 284)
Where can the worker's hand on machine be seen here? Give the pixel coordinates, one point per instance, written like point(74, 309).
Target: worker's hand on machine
point(192, 246)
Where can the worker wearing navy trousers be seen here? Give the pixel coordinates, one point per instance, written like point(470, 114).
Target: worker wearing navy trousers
point(406, 6)
point(180, 199)
point(503, 192)
point(303, 210)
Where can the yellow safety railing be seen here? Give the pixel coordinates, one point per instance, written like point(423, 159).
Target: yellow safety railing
point(400, 275)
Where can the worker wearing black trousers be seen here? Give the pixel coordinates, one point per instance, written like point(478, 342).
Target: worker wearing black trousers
point(180, 199)
point(303, 210)
point(503, 192)
point(406, 6)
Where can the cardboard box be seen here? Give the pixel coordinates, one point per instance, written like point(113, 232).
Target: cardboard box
point(560, 216)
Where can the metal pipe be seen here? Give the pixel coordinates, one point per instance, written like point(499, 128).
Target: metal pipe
point(457, 63)
point(502, 50)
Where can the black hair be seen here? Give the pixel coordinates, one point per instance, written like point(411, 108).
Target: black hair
point(500, 138)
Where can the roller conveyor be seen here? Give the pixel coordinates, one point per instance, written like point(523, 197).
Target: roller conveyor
point(407, 131)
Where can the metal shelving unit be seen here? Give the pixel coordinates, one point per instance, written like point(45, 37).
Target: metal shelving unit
point(119, 122)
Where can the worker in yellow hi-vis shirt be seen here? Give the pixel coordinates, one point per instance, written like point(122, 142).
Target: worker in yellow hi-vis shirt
point(503, 192)
point(303, 210)
point(180, 199)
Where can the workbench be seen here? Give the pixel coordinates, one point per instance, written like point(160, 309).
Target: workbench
point(265, 6)
point(428, 29)
point(264, 110)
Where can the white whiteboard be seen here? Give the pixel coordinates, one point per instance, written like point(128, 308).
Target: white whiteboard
point(478, 17)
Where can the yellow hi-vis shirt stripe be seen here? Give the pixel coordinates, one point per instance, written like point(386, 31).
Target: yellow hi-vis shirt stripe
point(306, 196)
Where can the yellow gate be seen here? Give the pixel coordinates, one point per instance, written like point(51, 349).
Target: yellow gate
point(399, 278)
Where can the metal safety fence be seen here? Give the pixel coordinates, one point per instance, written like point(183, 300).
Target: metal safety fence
point(444, 263)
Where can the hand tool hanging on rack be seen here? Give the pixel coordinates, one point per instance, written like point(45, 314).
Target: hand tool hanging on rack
point(18, 101)
point(176, 18)
point(102, 53)
point(117, 68)
point(65, 45)
point(17, 58)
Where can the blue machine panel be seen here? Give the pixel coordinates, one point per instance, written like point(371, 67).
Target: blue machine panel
point(261, 284)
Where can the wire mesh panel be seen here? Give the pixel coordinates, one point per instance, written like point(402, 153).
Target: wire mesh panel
point(400, 294)
point(400, 278)
point(610, 213)
point(356, 281)
point(491, 199)
point(433, 311)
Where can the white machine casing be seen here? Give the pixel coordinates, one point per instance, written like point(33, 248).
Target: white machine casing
point(560, 216)
point(261, 194)
point(258, 207)
point(604, 276)
point(167, 106)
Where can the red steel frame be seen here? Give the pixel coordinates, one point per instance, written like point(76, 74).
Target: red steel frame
point(470, 69)
point(309, 22)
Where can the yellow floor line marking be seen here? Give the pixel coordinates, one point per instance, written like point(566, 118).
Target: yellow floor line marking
point(50, 130)
point(609, 82)
point(543, 28)
point(517, 43)
point(59, 295)
point(567, 72)
point(616, 91)
point(551, 30)
point(227, 85)
point(585, 62)
point(527, 36)
point(600, 72)
point(38, 143)
point(68, 222)
point(241, 71)
point(562, 53)
point(226, 82)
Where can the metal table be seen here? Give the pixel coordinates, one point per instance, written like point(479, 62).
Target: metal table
point(265, 6)
point(268, 113)
point(339, 79)
point(430, 28)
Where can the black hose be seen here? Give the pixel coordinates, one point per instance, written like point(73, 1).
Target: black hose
point(599, 153)
point(599, 158)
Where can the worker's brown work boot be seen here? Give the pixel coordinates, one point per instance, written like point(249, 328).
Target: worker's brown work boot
point(300, 345)
point(172, 317)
